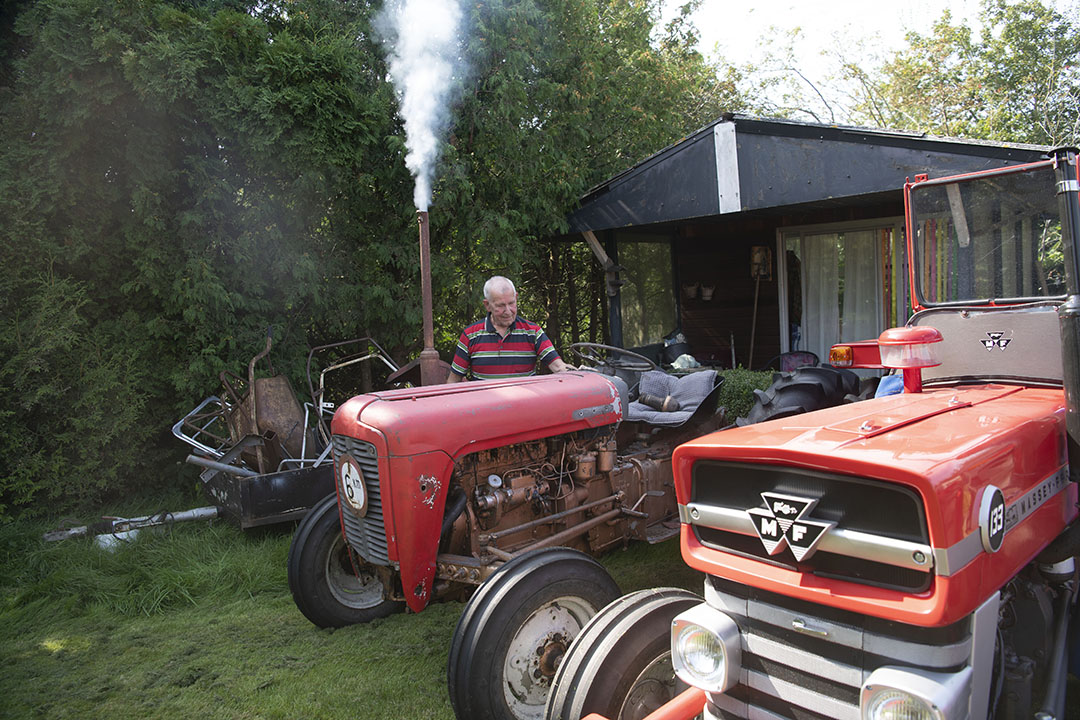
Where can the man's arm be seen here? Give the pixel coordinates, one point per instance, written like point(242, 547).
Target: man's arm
point(462, 361)
point(548, 355)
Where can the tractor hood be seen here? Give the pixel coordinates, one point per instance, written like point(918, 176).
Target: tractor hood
point(945, 449)
point(471, 416)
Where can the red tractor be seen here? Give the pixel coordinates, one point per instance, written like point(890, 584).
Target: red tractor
point(438, 488)
point(909, 556)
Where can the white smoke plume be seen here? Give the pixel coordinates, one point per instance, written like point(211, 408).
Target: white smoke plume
point(424, 49)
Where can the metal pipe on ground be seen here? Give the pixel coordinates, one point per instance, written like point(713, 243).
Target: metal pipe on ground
point(114, 527)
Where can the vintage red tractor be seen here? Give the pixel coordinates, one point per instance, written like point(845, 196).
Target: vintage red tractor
point(911, 556)
point(440, 487)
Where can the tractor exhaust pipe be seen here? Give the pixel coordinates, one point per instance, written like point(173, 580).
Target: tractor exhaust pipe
point(429, 356)
point(1068, 192)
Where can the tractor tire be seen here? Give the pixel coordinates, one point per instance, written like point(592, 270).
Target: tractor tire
point(514, 631)
point(802, 390)
point(330, 588)
point(620, 664)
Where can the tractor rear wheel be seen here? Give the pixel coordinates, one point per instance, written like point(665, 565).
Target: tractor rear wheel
point(620, 664)
point(803, 390)
point(514, 631)
point(330, 584)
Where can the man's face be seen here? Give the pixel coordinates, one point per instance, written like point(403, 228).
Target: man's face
point(503, 307)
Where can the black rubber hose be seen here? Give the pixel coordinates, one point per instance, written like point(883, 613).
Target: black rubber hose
point(1054, 702)
point(453, 511)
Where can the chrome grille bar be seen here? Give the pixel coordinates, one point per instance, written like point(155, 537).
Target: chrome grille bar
point(864, 546)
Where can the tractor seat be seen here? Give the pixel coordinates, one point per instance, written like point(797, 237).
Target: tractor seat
point(688, 390)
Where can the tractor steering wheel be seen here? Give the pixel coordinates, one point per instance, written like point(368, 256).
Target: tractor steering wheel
point(616, 358)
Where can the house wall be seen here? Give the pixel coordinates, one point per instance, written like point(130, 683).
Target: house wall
point(719, 257)
point(717, 253)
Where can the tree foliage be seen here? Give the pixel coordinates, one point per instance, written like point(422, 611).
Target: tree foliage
point(1016, 78)
point(177, 176)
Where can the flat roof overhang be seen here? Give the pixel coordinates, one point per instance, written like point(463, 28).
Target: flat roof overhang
point(740, 164)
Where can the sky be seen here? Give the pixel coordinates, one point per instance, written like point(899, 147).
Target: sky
point(735, 29)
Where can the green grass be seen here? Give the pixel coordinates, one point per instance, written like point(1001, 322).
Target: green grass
point(199, 622)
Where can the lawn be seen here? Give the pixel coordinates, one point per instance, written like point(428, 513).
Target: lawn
point(199, 623)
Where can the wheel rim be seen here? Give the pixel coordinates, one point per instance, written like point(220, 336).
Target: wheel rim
point(349, 589)
point(535, 653)
point(653, 687)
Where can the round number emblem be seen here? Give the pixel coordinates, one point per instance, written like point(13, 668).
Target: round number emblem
point(992, 519)
point(352, 485)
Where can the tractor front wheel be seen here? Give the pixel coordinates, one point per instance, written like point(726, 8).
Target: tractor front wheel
point(514, 631)
point(330, 584)
point(620, 663)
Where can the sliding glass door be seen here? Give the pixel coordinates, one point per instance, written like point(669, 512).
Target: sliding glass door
point(841, 283)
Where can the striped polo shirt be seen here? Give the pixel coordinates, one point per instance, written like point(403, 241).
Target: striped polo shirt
point(489, 356)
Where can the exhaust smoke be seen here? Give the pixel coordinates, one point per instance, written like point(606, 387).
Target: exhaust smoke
point(424, 50)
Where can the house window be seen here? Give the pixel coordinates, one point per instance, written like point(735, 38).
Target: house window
point(842, 283)
point(648, 300)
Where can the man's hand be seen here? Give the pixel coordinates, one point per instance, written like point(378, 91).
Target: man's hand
point(559, 366)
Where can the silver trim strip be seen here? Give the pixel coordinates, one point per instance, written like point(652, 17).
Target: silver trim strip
point(588, 412)
point(800, 696)
point(956, 557)
point(809, 662)
point(1018, 510)
point(875, 548)
point(912, 653)
point(984, 624)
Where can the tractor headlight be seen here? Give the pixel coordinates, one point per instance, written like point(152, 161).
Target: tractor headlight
point(706, 649)
point(892, 693)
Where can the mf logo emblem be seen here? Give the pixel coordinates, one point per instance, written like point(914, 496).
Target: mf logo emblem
point(782, 522)
point(995, 340)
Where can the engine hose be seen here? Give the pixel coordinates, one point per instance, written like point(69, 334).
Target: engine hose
point(1054, 705)
point(453, 511)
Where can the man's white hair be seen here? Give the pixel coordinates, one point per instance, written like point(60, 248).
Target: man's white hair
point(497, 283)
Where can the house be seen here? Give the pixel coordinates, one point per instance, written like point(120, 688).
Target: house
point(758, 236)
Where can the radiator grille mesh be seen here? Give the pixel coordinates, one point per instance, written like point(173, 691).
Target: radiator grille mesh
point(366, 535)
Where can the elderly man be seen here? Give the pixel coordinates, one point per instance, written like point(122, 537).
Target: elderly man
point(502, 345)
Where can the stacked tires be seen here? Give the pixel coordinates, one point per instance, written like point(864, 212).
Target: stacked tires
point(803, 390)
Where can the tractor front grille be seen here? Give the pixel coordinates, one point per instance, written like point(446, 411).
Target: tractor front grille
point(878, 535)
point(366, 535)
point(802, 661)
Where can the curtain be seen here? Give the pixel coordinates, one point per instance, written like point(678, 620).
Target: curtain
point(820, 290)
point(861, 319)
